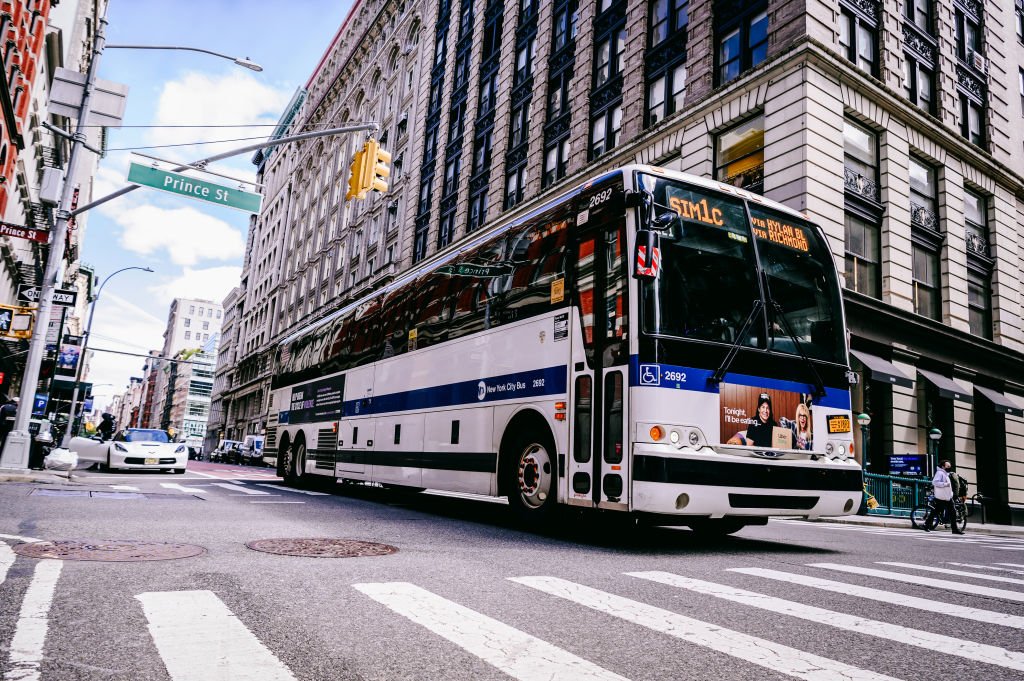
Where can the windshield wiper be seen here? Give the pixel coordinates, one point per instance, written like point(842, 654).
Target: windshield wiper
point(780, 314)
point(734, 349)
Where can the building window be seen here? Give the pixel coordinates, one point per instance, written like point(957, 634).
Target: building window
point(979, 303)
point(419, 250)
point(919, 12)
point(488, 94)
point(975, 223)
point(520, 126)
point(482, 152)
point(742, 40)
point(515, 187)
point(188, 322)
point(665, 94)
point(925, 278)
point(1020, 87)
point(445, 230)
point(860, 161)
point(426, 194)
point(739, 155)
point(863, 254)
point(1019, 10)
point(918, 83)
point(968, 37)
point(556, 158)
point(971, 115)
point(609, 58)
point(923, 201)
point(478, 204)
point(452, 169)
point(564, 26)
point(604, 131)
point(206, 326)
point(188, 335)
point(858, 36)
point(558, 94)
point(191, 309)
point(668, 17)
point(524, 61)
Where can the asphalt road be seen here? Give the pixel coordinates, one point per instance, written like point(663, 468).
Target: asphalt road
point(469, 595)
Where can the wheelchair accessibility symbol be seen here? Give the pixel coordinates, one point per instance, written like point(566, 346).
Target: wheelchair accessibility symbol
point(650, 374)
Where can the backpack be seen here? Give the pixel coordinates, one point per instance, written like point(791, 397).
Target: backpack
point(962, 492)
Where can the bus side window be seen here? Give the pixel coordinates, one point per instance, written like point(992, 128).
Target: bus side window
point(583, 410)
point(617, 317)
point(612, 399)
point(585, 291)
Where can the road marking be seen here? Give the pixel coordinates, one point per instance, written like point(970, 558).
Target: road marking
point(510, 650)
point(249, 493)
point(761, 652)
point(19, 538)
point(30, 631)
point(924, 581)
point(7, 556)
point(128, 488)
point(236, 488)
point(984, 567)
point(181, 488)
point(939, 607)
point(1016, 565)
point(291, 489)
point(206, 475)
point(277, 502)
point(200, 639)
point(978, 652)
point(957, 573)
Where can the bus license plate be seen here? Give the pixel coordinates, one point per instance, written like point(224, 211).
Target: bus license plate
point(152, 462)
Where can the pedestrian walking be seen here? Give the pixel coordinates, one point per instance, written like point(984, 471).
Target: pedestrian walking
point(106, 427)
point(942, 487)
point(7, 415)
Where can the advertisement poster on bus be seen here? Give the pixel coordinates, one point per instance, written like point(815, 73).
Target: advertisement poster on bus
point(763, 417)
point(321, 400)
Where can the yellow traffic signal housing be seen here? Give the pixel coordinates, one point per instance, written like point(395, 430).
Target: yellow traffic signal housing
point(359, 177)
point(377, 160)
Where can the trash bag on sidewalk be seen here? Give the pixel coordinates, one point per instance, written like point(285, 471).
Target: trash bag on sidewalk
point(60, 459)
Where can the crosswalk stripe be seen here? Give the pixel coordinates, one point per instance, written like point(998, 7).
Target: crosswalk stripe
point(978, 652)
point(924, 581)
point(1016, 565)
point(127, 488)
point(33, 622)
point(957, 573)
point(239, 488)
point(512, 651)
point(985, 567)
point(768, 654)
point(292, 489)
point(939, 607)
point(6, 560)
point(200, 639)
point(181, 488)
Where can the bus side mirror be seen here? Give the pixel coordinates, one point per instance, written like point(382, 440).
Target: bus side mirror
point(648, 254)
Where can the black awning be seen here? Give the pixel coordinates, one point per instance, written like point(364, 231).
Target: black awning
point(1001, 402)
point(883, 370)
point(947, 387)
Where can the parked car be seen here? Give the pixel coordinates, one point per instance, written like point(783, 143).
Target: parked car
point(226, 452)
point(133, 448)
point(251, 450)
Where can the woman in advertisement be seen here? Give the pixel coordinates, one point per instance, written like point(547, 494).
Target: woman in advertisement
point(802, 428)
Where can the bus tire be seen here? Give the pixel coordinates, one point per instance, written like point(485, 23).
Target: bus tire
point(297, 468)
point(529, 471)
point(284, 457)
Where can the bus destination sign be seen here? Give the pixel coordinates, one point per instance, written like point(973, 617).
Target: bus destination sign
point(781, 233)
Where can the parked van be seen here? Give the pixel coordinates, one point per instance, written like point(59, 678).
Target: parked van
point(252, 450)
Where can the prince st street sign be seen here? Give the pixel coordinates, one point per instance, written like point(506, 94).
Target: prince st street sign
point(184, 185)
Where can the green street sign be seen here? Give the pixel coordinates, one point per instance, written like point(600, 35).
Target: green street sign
point(184, 185)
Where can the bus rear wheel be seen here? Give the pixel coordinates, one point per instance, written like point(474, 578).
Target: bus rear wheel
point(529, 476)
point(297, 470)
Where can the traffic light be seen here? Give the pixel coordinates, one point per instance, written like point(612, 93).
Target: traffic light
point(377, 160)
point(358, 180)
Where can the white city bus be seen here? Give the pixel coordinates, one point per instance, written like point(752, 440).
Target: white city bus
point(648, 342)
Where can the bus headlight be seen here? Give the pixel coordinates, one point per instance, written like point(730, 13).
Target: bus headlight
point(694, 438)
point(674, 436)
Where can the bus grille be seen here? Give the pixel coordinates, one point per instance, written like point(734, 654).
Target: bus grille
point(270, 439)
point(326, 438)
point(771, 501)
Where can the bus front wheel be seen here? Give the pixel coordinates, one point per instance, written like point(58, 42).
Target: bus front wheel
point(530, 475)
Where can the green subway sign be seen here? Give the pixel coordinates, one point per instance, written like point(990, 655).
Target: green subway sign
point(184, 185)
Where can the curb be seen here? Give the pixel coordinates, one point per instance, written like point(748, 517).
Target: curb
point(904, 523)
point(51, 478)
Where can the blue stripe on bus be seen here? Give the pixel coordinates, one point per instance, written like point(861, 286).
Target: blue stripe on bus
point(654, 375)
point(520, 385)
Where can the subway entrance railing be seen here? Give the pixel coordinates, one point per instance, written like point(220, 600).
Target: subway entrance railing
point(897, 495)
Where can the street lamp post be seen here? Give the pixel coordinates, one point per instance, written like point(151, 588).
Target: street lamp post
point(864, 419)
point(18, 444)
point(934, 435)
point(68, 431)
point(244, 62)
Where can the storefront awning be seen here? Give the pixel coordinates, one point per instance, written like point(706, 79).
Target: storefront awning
point(1001, 402)
point(883, 370)
point(947, 387)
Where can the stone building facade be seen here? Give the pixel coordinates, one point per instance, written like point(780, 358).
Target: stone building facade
point(898, 126)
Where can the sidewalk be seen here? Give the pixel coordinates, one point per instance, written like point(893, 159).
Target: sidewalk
point(46, 477)
point(974, 525)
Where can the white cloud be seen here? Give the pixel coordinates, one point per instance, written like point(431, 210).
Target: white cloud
point(186, 234)
point(228, 99)
point(211, 283)
point(120, 325)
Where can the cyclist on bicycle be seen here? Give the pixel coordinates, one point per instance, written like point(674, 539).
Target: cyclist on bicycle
point(943, 489)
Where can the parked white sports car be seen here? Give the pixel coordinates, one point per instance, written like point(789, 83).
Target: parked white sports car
point(139, 448)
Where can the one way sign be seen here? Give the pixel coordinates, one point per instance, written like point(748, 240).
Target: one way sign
point(65, 297)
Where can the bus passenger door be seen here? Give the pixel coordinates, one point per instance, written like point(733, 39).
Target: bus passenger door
point(598, 469)
point(356, 431)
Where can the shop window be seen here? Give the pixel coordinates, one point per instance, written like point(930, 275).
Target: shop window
point(739, 155)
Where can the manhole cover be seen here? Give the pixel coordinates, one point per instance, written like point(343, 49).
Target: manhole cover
point(108, 550)
point(321, 548)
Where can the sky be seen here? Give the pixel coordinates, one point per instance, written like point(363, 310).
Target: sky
point(195, 248)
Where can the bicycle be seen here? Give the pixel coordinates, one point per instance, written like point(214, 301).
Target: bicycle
point(921, 512)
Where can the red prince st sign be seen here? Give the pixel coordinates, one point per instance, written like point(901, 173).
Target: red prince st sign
point(40, 235)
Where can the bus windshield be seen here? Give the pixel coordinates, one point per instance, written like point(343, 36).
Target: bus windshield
point(708, 284)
